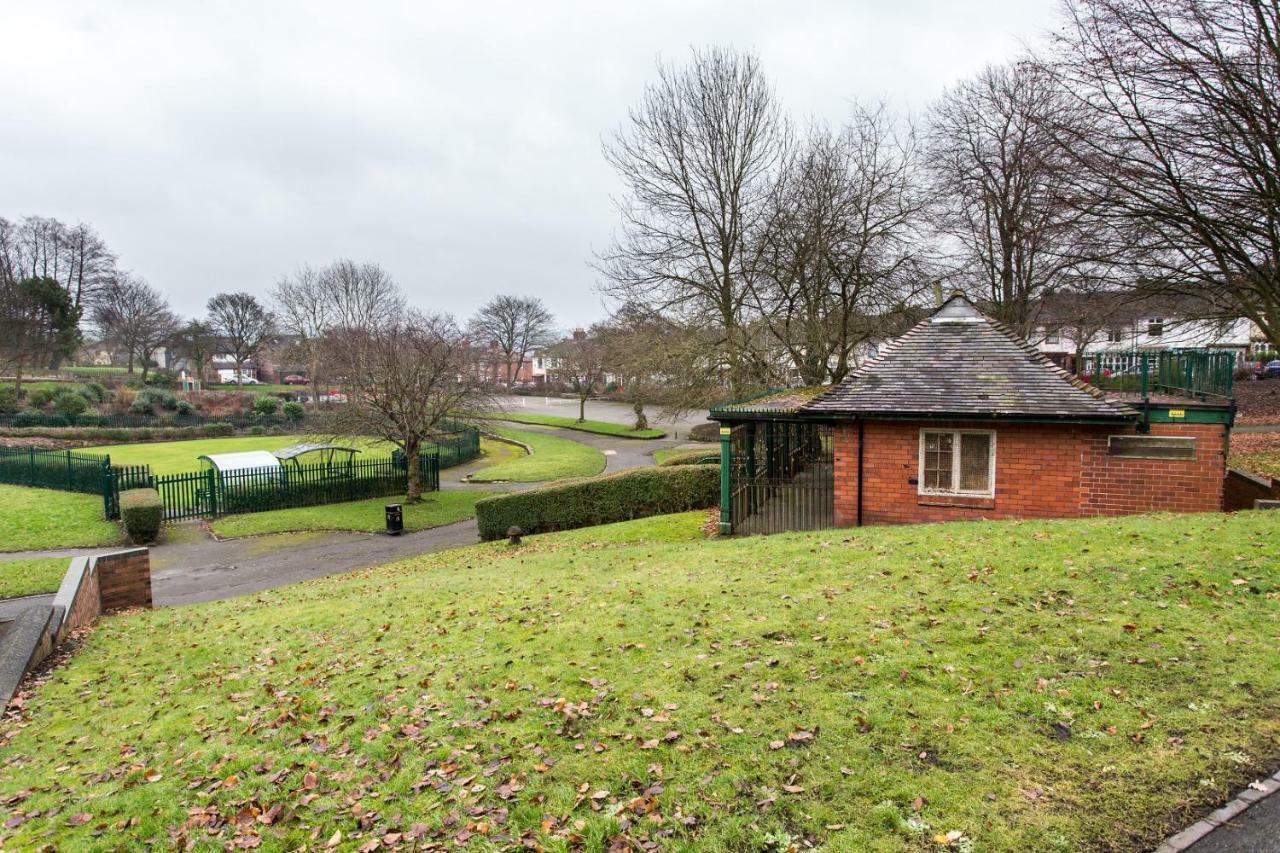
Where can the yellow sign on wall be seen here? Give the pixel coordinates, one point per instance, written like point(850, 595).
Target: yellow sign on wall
point(1177, 413)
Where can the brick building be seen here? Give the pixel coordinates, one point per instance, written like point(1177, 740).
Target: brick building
point(960, 419)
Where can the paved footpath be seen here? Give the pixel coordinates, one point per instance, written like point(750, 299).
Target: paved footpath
point(191, 566)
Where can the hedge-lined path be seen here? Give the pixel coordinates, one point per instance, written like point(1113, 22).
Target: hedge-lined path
point(191, 566)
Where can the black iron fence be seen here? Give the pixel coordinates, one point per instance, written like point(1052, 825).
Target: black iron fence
point(782, 476)
point(65, 470)
point(207, 493)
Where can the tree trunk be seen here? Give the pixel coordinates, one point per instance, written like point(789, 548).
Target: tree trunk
point(642, 422)
point(582, 408)
point(413, 490)
point(313, 374)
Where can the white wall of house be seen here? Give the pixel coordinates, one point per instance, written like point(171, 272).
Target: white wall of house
point(1153, 333)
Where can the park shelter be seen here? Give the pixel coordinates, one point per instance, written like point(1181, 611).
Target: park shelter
point(961, 419)
point(334, 458)
point(228, 464)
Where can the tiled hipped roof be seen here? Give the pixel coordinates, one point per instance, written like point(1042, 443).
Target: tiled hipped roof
point(961, 362)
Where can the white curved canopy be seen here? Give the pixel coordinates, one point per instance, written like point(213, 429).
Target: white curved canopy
point(243, 461)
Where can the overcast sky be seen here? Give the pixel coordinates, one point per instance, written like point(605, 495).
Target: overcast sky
point(217, 146)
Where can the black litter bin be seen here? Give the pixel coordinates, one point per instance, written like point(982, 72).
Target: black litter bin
point(395, 519)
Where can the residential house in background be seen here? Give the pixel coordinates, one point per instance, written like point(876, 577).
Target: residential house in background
point(1072, 326)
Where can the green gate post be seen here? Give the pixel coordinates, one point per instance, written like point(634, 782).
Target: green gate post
point(213, 491)
point(726, 495)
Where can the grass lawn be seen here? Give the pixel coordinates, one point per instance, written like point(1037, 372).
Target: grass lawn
point(34, 519)
point(601, 427)
point(1258, 452)
point(171, 457)
point(98, 369)
point(553, 458)
point(31, 577)
point(436, 509)
point(660, 456)
point(1018, 685)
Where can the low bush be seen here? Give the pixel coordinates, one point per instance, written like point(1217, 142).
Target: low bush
point(39, 398)
point(70, 403)
point(266, 405)
point(709, 456)
point(8, 400)
point(185, 409)
point(95, 392)
point(294, 410)
point(142, 512)
point(601, 500)
point(150, 400)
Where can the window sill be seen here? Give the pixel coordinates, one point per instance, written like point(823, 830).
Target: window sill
point(959, 501)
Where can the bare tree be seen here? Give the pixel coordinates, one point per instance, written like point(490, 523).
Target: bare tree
point(361, 296)
point(243, 324)
point(75, 256)
point(137, 317)
point(580, 364)
point(403, 377)
point(1003, 189)
point(1185, 96)
point(307, 310)
point(516, 324)
point(697, 157)
point(842, 246)
point(198, 344)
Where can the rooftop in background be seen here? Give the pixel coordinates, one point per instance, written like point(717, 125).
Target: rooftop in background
point(961, 363)
point(778, 401)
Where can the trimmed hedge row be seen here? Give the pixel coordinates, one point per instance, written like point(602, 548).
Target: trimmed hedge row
point(601, 500)
point(121, 435)
point(693, 457)
point(142, 512)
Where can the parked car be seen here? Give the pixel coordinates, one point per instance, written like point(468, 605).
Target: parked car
point(1270, 370)
point(295, 379)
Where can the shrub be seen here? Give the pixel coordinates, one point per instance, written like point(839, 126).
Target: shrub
point(266, 405)
point(709, 456)
point(39, 398)
point(8, 400)
point(94, 392)
point(185, 409)
point(257, 430)
point(294, 411)
point(601, 500)
point(142, 512)
point(148, 400)
point(70, 404)
point(709, 431)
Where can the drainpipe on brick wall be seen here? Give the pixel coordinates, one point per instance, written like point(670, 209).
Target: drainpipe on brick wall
point(726, 493)
point(860, 435)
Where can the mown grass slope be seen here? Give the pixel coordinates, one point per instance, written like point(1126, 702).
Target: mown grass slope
point(32, 519)
point(990, 686)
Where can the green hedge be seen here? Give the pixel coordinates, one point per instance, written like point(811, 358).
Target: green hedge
point(121, 435)
point(601, 500)
point(142, 512)
point(710, 456)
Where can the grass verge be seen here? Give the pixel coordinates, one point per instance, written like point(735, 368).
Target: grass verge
point(436, 509)
point(990, 686)
point(36, 519)
point(687, 456)
point(599, 427)
point(553, 458)
point(31, 577)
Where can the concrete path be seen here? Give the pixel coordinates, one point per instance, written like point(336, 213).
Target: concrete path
point(192, 566)
point(11, 607)
point(601, 410)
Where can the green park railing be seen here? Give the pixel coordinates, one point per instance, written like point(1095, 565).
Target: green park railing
point(1204, 375)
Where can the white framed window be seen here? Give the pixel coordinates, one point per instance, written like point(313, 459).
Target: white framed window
point(1052, 336)
point(957, 462)
point(1155, 327)
point(1115, 336)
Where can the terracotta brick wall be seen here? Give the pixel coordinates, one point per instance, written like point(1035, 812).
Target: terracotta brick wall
point(1042, 471)
point(86, 605)
point(1242, 488)
point(124, 579)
